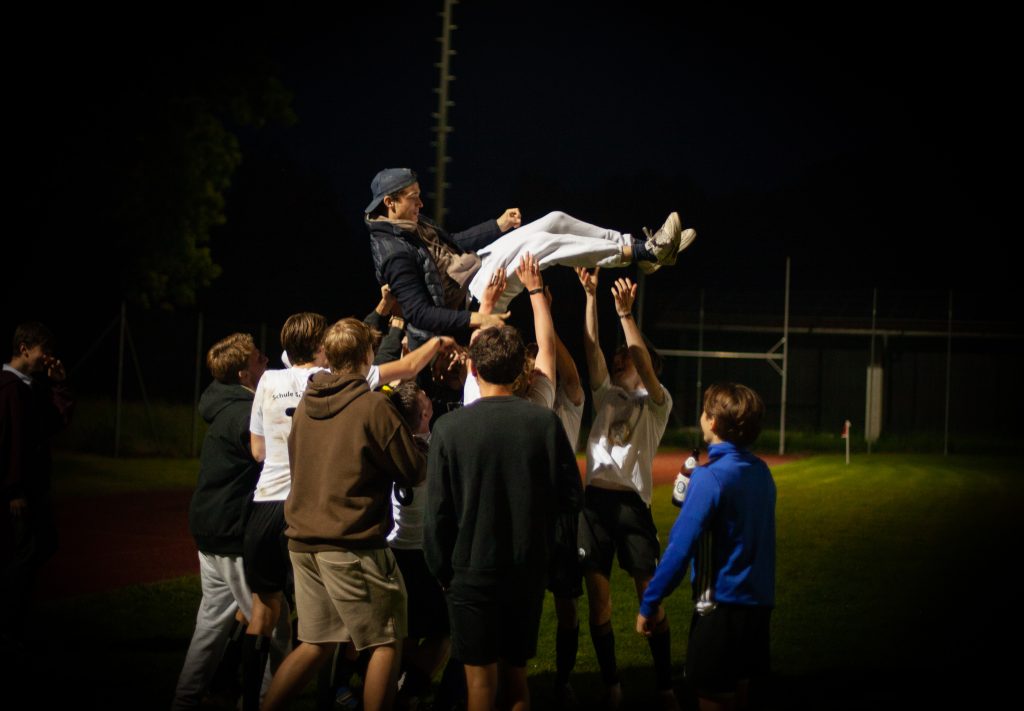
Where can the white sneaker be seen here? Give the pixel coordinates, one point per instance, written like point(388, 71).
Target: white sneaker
point(686, 238)
point(664, 241)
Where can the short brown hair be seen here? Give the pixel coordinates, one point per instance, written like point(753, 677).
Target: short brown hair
point(302, 335)
point(228, 356)
point(498, 355)
point(32, 334)
point(347, 345)
point(738, 412)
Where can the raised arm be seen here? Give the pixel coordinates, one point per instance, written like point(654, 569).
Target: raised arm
point(591, 345)
point(624, 293)
point(528, 272)
point(565, 366)
point(407, 368)
point(495, 288)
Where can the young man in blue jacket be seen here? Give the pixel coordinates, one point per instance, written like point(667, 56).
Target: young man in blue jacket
point(726, 527)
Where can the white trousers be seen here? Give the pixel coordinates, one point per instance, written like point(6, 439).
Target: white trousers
point(556, 238)
point(224, 592)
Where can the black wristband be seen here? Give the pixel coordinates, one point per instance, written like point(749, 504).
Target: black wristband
point(539, 290)
point(626, 315)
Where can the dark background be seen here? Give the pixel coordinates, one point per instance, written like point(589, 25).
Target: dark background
point(874, 145)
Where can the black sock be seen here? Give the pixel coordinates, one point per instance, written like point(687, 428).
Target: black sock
point(604, 647)
point(660, 643)
point(640, 251)
point(255, 652)
point(567, 643)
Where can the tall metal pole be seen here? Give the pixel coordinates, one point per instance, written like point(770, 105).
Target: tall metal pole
point(443, 104)
point(785, 365)
point(120, 380)
point(700, 364)
point(868, 431)
point(949, 367)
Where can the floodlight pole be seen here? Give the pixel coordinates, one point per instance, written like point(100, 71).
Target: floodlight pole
point(443, 104)
point(700, 364)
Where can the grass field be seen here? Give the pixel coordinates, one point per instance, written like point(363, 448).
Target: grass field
point(894, 585)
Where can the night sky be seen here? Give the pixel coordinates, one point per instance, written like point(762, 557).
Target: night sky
point(873, 145)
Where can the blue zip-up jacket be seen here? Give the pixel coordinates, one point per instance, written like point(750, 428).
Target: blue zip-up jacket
point(726, 526)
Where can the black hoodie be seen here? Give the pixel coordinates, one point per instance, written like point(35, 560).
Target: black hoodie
point(227, 471)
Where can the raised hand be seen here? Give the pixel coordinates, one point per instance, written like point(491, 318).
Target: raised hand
point(624, 293)
point(495, 288)
point(528, 272)
point(588, 279)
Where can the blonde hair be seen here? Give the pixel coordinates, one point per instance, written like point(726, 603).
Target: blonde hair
point(228, 356)
point(348, 344)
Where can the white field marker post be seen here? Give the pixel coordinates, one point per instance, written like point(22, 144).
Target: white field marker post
point(846, 435)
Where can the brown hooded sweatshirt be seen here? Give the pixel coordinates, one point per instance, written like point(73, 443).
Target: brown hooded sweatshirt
point(347, 447)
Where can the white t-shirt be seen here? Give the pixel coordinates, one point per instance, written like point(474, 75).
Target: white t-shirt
point(408, 531)
point(570, 414)
point(541, 391)
point(624, 438)
point(277, 392)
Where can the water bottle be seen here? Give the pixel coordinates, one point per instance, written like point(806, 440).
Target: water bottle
point(683, 477)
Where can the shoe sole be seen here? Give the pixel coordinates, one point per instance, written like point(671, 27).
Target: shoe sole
point(686, 238)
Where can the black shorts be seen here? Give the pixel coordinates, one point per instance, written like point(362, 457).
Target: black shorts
point(565, 576)
point(729, 644)
point(265, 548)
point(428, 611)
point(496, 621)
point(618, 523)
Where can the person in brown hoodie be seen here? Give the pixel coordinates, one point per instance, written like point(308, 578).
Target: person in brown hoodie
point(347, 448)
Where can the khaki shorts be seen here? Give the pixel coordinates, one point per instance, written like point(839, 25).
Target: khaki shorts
point(349, 595)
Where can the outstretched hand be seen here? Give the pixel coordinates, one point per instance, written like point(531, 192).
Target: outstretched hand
point(624, 293)
point(494, 289)
point(510, 219)
point(588, 279)
point(528, 272)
